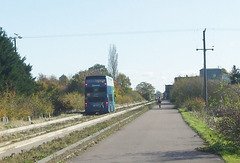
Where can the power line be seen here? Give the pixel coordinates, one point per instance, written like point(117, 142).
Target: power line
point(225, 29)
point(110, 33)
point(130, 33)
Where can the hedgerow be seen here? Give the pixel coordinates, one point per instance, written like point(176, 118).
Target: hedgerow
point(223, 112)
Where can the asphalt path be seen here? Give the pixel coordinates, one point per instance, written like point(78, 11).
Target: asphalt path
point(159, 135)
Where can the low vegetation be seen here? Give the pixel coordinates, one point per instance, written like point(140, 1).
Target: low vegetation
point(219, 122)
point(217, 144)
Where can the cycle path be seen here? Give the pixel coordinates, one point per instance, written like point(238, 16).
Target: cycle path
point(159, 135)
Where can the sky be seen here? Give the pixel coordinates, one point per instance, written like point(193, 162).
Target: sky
point(156, 40)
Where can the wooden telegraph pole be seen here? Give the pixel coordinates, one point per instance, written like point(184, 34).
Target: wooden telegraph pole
point(204, 67)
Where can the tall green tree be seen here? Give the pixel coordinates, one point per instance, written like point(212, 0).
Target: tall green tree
point(146, 90)
point(14, 72)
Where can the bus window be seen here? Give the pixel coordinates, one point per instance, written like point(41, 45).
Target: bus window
point(110, 98)
point(96, 94)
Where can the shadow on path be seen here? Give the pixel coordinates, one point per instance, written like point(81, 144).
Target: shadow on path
point(172, 156)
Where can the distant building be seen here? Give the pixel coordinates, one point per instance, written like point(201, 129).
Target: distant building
point(167, 91)
point(186, 77)
point(215, 74)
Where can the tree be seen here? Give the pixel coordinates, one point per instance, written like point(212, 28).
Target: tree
point(224, 71)
point(77, 82)
point(235, 75)
point(123, 81)
point(98, 69)
point(14, 72)
point(146, 90)
point(113, 61)
point(122, 85)
point(158, 94)
point(63, 80)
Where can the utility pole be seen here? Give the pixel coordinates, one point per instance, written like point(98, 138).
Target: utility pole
point(17, 36)
point(204, 67)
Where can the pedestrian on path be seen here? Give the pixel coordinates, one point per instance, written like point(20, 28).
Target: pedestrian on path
point(159, 102)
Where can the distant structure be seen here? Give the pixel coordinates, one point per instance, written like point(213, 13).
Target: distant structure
point(185, 77)
point(216, 74)
point(167, 91)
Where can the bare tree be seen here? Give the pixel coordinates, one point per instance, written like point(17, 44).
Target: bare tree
point(113, 61)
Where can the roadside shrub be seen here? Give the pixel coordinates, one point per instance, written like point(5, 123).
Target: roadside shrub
point(229, 125)
point(186, 88)
point(3, 112)
point(20, 107)
point(72, 101)
point(224, 106)
point(131, 96)
point(135, 96)
point(123, 99)
point(8, 104)
point(195, 104)
point(38, 104)
point(223, 111)
point(226, 96)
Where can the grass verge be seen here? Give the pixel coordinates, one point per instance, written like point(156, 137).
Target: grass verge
point(215, 143)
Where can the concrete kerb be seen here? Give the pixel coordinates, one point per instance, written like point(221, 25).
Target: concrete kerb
point(17, 147)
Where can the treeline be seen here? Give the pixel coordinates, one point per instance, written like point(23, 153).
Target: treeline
point(68, 94)
point(21, 95)
point(223, 110)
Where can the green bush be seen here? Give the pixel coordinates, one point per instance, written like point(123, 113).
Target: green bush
point(131, 96)
point(72, 101)
point(226, 96)
point(123, 99)
point(229, 125)
point(226, 104)
point(39, 104)
point(186, 88)
point(195, 104)
point(20, 107)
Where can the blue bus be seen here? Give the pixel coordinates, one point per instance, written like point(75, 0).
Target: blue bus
point(99, 94)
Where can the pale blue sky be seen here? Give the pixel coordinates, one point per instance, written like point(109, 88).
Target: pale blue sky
point(156, 40)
